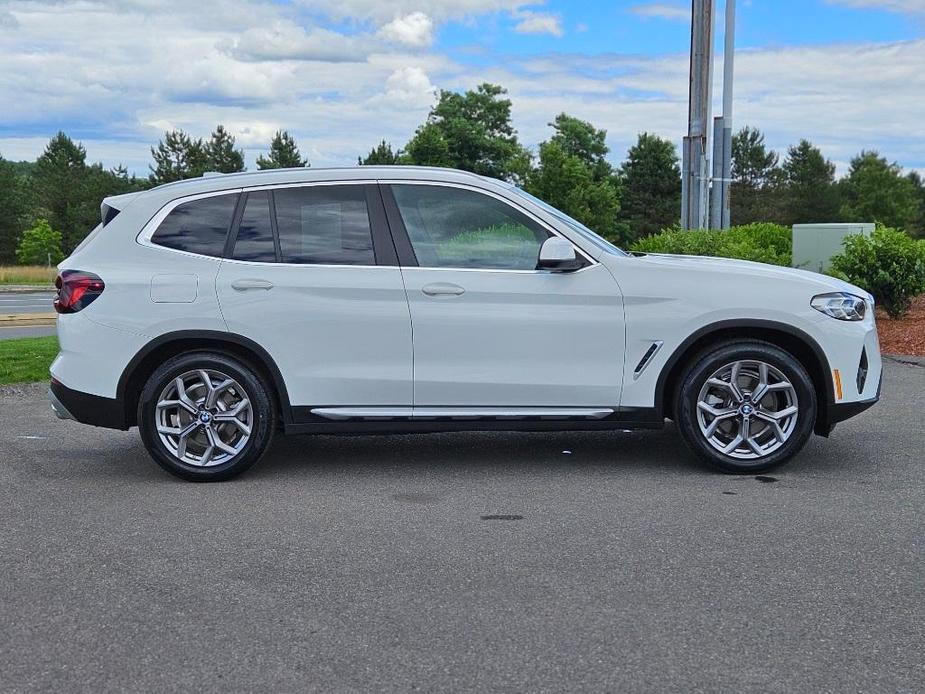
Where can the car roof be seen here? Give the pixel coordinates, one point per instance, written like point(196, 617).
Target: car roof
point(211, 182)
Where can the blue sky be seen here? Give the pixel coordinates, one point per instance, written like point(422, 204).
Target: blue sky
point(343, 74)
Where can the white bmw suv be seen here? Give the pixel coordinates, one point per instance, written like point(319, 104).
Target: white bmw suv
point(212, 312)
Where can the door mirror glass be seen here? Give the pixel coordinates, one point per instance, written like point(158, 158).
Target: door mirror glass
point(558, 254)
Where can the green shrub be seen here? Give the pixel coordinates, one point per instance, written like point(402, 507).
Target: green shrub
point(40, 245)
point(763, 243)
point(888, 264)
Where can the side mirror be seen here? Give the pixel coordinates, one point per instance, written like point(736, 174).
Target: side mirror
point(558, 255)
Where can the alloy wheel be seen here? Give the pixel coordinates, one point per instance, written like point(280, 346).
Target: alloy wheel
point(747, 409)
point(204, 417)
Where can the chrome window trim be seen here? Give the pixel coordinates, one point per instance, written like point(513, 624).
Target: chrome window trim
point(147, 231)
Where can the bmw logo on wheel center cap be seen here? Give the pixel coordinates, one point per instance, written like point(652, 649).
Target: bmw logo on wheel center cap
point(747, 409)
point(205, 417)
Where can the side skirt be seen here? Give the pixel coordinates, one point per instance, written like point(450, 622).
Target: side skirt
point(305, 422)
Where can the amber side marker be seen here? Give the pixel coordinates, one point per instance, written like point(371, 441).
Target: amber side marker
point(838, 392)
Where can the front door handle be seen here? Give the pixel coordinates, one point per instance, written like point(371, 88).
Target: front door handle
point(242, 285)
point(442, 289)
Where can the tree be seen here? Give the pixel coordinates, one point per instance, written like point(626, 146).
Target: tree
point(284, 154)
point(651, 187)
point(876, 191)
point(40, 245)
point(918, 226)
point(221, 154)
point(809, 186)
point(13, 205)
point(380, 154)
point(66, 190)
point(574, 176)
point(754, 194)
point(176, 157)
point(429, 147)
point(581, 139)
point(471, 131)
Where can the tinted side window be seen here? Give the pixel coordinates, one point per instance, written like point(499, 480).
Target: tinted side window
point(452, 227)
point(199, 226)
point(324, 225)
point(254, 241)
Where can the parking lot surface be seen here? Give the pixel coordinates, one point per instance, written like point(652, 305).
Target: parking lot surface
point(452, 562)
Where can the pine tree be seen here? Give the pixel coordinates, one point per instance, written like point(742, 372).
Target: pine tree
point(754, 192)
point(876, 191)
point(13, 204)
point(221, 154)
point(64, 193)
point(651, 187)
point(380, 154)
point(177, 157)
point(284, 154)
point(809, 192)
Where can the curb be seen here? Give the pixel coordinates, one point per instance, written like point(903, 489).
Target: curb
point(27, 320)
point(906, 359)
point(25, 289)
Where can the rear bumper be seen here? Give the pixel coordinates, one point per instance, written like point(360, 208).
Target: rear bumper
point(86, 408)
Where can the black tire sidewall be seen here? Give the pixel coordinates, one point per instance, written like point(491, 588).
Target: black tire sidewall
point(705, 365)
point(256, 391)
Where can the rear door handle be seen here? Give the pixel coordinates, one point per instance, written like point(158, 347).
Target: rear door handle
point(242, 285)
point(442, 289)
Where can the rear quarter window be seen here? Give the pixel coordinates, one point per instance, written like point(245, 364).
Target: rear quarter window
point(198, 226)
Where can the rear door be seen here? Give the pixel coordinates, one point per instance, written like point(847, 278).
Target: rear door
point(490, 330)
point(311, 275)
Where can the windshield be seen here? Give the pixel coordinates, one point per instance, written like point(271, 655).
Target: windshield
point(574, 224)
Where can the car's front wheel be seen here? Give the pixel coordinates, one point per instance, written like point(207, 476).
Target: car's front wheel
point(205, 417)
point(746, 407)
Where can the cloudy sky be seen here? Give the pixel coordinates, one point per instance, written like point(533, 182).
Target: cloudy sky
point(343, 74)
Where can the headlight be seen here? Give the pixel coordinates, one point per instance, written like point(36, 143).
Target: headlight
point(840, 305)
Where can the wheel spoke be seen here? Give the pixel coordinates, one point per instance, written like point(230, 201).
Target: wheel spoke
point(780, 414)
point(215, 391)
point(746, 434)
point(183, 397)
point(773, 423)
point(732, 445)
point(215, 441)
point(719, 419)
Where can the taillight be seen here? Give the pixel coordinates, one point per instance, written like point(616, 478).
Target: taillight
point(76, 290)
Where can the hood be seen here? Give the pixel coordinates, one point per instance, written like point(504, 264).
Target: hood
point(731, 266)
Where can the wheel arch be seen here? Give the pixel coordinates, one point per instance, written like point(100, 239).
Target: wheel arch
point(793, 340)
point(143, 364)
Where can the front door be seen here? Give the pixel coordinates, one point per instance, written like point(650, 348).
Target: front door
point(490, 330)
point(311, 276)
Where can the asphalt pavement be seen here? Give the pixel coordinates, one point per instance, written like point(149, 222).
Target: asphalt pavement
point(464, 562)
point(26, 302)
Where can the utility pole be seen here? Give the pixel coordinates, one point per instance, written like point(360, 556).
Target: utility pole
point(722, 131)
point(695, 165)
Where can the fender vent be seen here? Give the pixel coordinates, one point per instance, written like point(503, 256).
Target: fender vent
point(647, 358)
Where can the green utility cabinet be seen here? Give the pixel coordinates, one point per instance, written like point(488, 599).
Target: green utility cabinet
point(815, 244)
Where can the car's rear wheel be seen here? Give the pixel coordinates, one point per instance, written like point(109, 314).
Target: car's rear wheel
point(205, 417)
point(746, 407)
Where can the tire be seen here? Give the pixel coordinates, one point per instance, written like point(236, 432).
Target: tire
point(178, 431)
point(778, 420)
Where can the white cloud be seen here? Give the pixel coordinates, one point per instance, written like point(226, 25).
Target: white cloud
point(538, 23)
point(126, 71)
point(657, 10)
point(381, 11)
point(903, 6)
point(415, 29)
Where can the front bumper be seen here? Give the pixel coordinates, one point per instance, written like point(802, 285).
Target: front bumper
point(839, 412)
point(86, 408)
